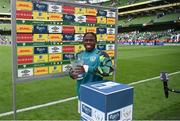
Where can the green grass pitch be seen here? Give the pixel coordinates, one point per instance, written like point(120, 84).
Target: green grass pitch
point(134, 63)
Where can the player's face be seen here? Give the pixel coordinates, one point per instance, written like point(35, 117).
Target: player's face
point(89, 42)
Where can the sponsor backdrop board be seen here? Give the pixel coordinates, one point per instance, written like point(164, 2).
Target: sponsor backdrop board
point(46, 34)
point(113, 101)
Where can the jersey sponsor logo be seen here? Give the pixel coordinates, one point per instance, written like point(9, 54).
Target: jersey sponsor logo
point(20, 28)
point(40, 70)
point(101, 30)
point(68, 56)
point(68, 29)
point(39, 15)
point(101, 37)
point(110, 53)
point(68, 9)
point(24, 37)
point(111, 37)
point(79, 10)
point(101, 20)
point(40, 6)
point(111, 21)
point(24, 5)
point(24, 50)
point(80, 29)
point(55, 69)
point(92, 58)
point(40, 58)
point(55, 16)
point(40, 37)
point(110, 47)
point(25, 59)
point(55, 37)
point(55, 49)
point(25, 72)
point(91, 19)
point(110, 30)
point(68, 37)
point(79, 37)
point(40, 29)
point(101, 47)
point(91, 29)
point(66, 67)
point(69, 48)
point(55, 57)
point(80, 18)
point(24, 14)
point(102, 13)
point(69, 18)
point(79, 48)
point(91, 11)
point(111, 14)
point(40, 50)
point(55, 29)
point(55, 8)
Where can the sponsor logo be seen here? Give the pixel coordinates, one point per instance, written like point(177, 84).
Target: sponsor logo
point(79, 37)
point(111, 21)
point(55, 29)
point(68, 29)
point(55, 69)
point(40, 50)
point(110, 30)
point(101, 20)
point(80, 29)
point(87, 110)
point(68, 9)
point(40, 29)
point(68, 37)
point(68, 49)
point(68, 56)
point(55, 8)
point(40, 15)
point(24, 28)
point(25, 72)
point(40, 6)
point(24, 37)
point(101, 47)
point(111, 37)
point(101, 30)
point(55, 16)
point(110, 47)
point(23, 14)
point(40, 70)
point(80, 18)
point(91, 19)
point(80, 10)
point(79, 48)
point(66, 68)
point(40, 58)
point(91, 11)
point(24, 5)
point(25, 59)
point(101, 37)
point(91, 29)
point(55, 37)
point(114, 116)
point(55, 57)
point(93, 58)
point(24, 50)
point(55, 49)
point(102, 13)
point(111, 14)
point(40, 37)
point(67, 17)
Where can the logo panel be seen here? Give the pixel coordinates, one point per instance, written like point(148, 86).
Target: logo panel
point(40, 6)
point(20, 28)
point(68, 56)
point(39, 15)
point(91, 19)
point(111, 21)
point(40, 50)
point(80, 29)
point(40, 37)
point(40, 29)
point(24, 50)
point(55, 49)
point(55, 37)
point(24, 5)
point(23, 14)
point(55, 8)
point(25, 72)
point(110, 37)
point(79, 10)
point(55, 16)
point(40, 58)
point(25, 59)
point(40, 70)
point(101, 37)
point(55, 29)
point(68, 29)
point(55, 57)
point(101, 20)
point(110, 30)
point(68, 9)
point(24, 37)
point(80, 18)
point(68, 49)
point(79, 37)
point(91, 11)
point(91, 29)
point(55, 69)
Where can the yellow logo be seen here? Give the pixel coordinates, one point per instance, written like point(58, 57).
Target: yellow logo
point(55, 57)
point(80, 29)
point(79, 48)
point(55, 37)
point(110, 37)
point(55, 16)
point(24, 50)
point(80, 10)
point(24, 28)
point(40, 70)
point(91, 11)
point(40, 37)
point(111, 21)
point(40, 15)
point(40, 58)
point(101, 37)
point(55, 69)
point(101, 20)
point(91, 29)
point(24, 5)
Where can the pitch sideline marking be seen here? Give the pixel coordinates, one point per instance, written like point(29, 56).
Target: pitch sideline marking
point(73, 98)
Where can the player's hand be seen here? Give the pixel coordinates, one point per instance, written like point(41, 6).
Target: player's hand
point(79, 69)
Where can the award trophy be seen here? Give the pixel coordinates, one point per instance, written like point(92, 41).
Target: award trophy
point(74, 64)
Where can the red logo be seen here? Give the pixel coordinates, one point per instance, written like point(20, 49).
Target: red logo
point(68, 49)
point(68, 9)
point(91, 19)
point(68, 29)
point(24, 14)
point(24, 37)
point(25, 59)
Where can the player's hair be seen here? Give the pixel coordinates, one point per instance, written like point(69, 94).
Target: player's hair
point(91, 34)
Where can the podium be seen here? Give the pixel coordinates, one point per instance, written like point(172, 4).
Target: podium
point(105, 101)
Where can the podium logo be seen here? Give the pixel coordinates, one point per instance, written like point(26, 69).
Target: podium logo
point(86, 110)
point(114, 116)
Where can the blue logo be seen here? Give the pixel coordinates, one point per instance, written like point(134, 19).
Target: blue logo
point(40, 50)
point(40, 7)
point(101, 30)
point(68, 37)
point(101, 47)
point(86, 110)
point(68, 56)
point(68, 17)
point(40, 29)
point(102, 13)
point(114, 116)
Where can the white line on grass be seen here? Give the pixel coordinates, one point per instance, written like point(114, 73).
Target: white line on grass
point(73, 98)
